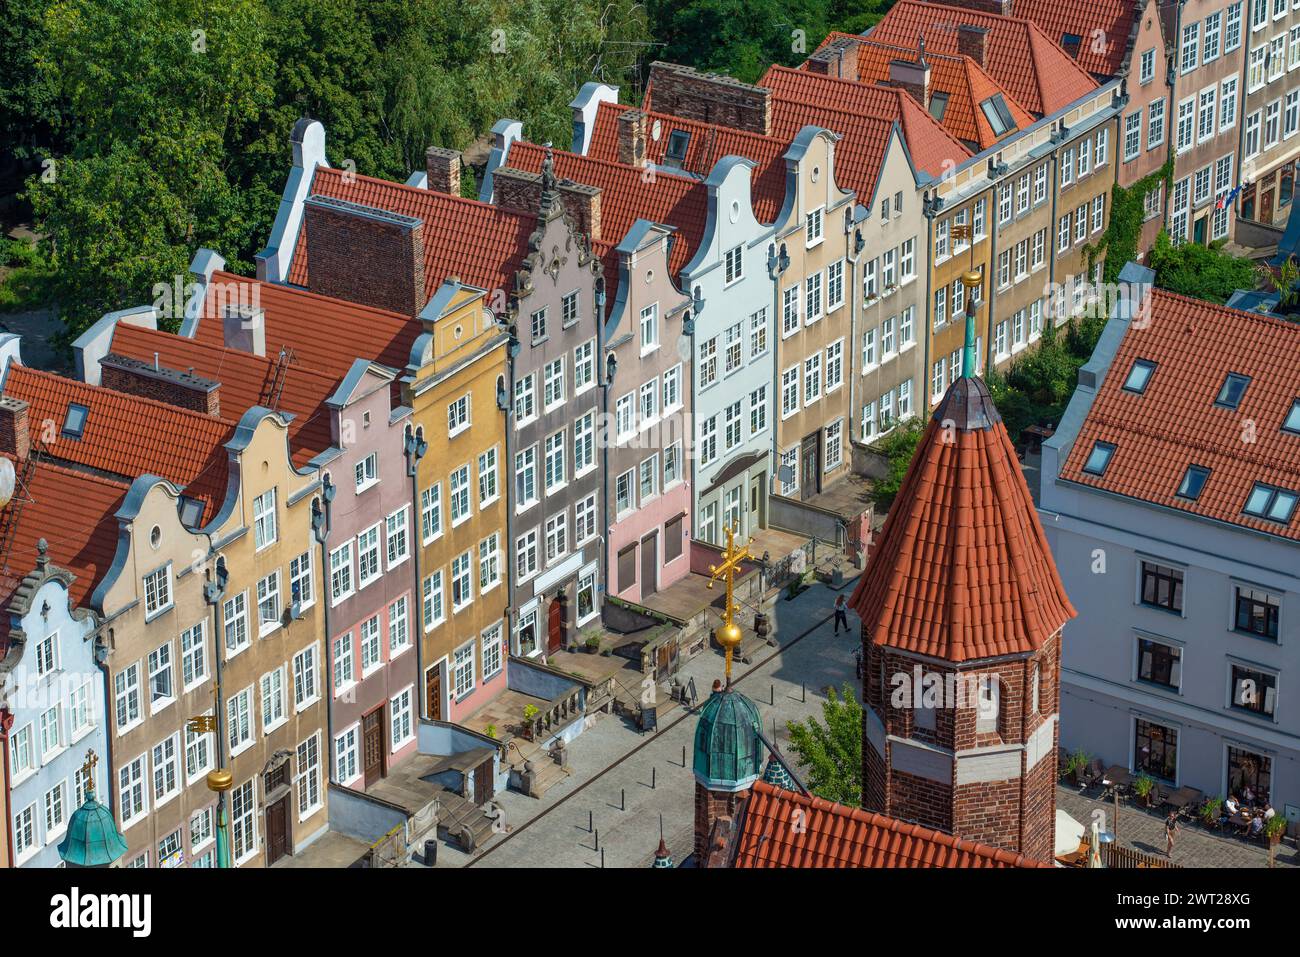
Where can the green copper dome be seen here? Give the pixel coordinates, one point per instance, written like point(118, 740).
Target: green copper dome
point(92, 839)
point(728, 752)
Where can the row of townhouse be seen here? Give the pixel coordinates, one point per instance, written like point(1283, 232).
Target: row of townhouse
point(173, 556)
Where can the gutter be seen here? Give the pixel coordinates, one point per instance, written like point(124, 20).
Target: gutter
point(6, 723)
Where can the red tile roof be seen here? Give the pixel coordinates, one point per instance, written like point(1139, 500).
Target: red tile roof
point(75, 512)
point(1083, 18)
point(966, 84)
point(479, 244)
point(961, 569)
point(325, 334)
point(1174, 423)
point(801, 97)
point(832, 835)
point(246, 380)
point(126, 435)
point(708, 143)
point(1040, 75)
point(625, 197)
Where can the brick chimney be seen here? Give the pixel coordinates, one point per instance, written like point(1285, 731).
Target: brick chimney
point(365, 255)
point(154, 381)
point(14, 437)
point(244, 328)
point(518, 190)
point(912, 76)
point(443, 167)
point(838, 59)
point(710, 98)
point(972, 42)
point(632, 137)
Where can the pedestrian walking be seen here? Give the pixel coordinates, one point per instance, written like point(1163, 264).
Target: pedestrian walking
point(1171, 828)
point(841, 613)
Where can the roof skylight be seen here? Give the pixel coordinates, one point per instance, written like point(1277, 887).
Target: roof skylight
point(1234, 387)
point(1270, 502)
point(1193, 482)
point(1292, 421)
point(75, 422)
point(999, 117)
point(1139, 375)
point(1099, 458)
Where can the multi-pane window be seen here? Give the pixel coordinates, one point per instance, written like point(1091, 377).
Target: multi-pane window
point(489, 562)
point(133, 802)
point(733, 348)
point(158, 591)
point(487, 480)
point(234, 614)
point(526, 555)
point(1256, 612)
point(625, 415)
point(459, 502)
point(584, 513)
point(264, 519)
point(648, 478)
point(273, 699)
point(305, 689)
point(757, 415)
point(733, 266)
point(525, 399)
point(812, 379)
point(239, 720)
point(1132, 136)
point(623, 493)
point(1155, 124)
point(463, 669)
point(462, 586)
point(1254, 690)
point(708, 440)
point(584, 365)
point(431, 512)
point(302, 588)
point(161, 687)
point(835, 284)
point(835, 361)
point(435, 611)
point(790, 310)
point(368, 553)
point(708, 364)
point(1228, 104)
point(399, 627)
point(649, 327)
point(537, 324)
point(553, 383)
point(347, 764)
point(308, 777)
point(569, 309)
point(366, 472)
point(813, 227)
point(789, 391)
point(126, 697)
point(344, 673)
point(553, 461)
point(1160, 663)
point(732, 431)
point(401, 725)
point(757, 338)
point(584, 443)
point(268, 603)
point(673, 388)
point(1162, 586)
point(458, 415)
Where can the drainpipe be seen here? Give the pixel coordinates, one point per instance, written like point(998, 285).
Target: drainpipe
point(853, 293)
point(1053, 228)
point(414, 448)
point(929, 210)
point(6, 723)
point(991, 272)
point(778, 261)
point(320, 527)
point(611, 363)
point(100, 655)
point(221, 779)
point(505, 402)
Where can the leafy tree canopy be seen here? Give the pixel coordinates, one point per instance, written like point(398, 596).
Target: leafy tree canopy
point(831, 752)
point(1203, 272)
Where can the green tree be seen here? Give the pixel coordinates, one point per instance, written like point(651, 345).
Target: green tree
point(898, 447)
point(1202, 272)
point(831, 753)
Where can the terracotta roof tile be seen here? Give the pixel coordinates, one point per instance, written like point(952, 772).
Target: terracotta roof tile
point(1083, 19)
point(625, 197)
point(1040, 75)
point(961, 569)
point(126, 435)
point(325, 334)
point(708, 143)
point(801, 97)
point(964, 82)
point(1175, 423)
point(480, 244)
point(833, 835)
point(246, 380)
point(75, 512)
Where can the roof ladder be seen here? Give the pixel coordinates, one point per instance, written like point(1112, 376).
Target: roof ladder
point(10, 516)
point(278, 377)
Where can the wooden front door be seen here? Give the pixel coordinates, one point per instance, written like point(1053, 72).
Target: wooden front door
point(649, 565)
point(809, 472)
point(555, 626)
point(372, 745)
point(483, 783)
point(1266, 208)
point(277, 830)
point(433, 693)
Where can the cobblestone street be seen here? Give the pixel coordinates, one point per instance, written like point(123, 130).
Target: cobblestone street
point(1194, 846)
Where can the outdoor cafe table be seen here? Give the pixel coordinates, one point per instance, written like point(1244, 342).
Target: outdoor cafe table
point(1117, 776)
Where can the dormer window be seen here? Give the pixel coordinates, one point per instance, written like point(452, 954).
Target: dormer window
point(75, 422)
point(1271, 503)
point(938, 104)
point(1070, 43)
point(678, 141)
point(1139, 376)
point(999, 116)
point(1234, 387)
point(1193, 482)
point(1292, 421)
point(1099, 458)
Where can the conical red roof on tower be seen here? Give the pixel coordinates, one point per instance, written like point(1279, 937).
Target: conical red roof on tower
point(961, 569)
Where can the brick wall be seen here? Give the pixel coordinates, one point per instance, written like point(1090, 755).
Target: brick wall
point(1017, 813)
point(182, 389)
point(839, 59)
point(710, 98)
point(443, 168)
point(711, 806)
point(365, 255)
point(631, 137)
point(14, 436)
point(1000, 7)
point(516, 189)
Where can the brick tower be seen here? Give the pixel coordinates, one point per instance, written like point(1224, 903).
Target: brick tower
point(728, 760)
point(962, 610)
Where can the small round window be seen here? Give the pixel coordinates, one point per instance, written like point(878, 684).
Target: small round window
point(816, 173)
point(155, 536)
point(735, 210)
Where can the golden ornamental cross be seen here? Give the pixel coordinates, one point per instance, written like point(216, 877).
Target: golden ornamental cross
point(88, 769)
point(729, 635)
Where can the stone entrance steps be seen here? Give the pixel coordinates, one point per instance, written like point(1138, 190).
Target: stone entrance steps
point(462, 822)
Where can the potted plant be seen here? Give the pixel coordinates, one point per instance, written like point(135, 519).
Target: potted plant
point(1144, 786)
point(490, 731)
point(1274, 828)
point(1210, 811)
point(1075, 763)
point(592, 645)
